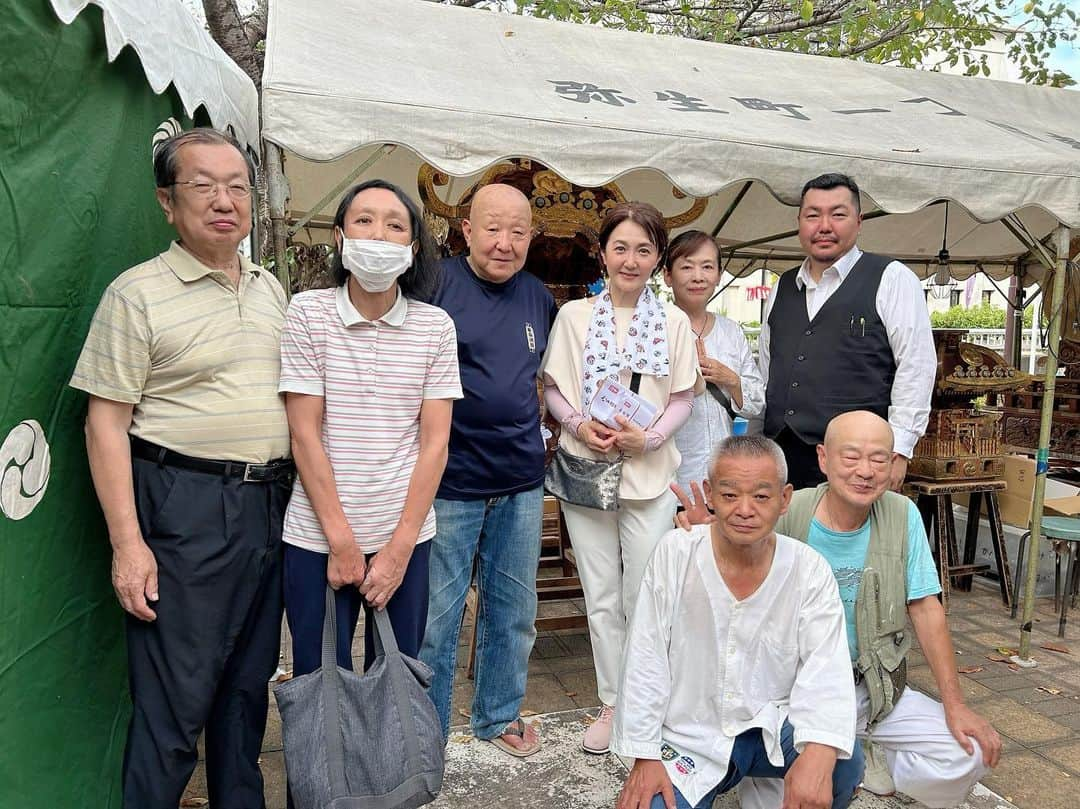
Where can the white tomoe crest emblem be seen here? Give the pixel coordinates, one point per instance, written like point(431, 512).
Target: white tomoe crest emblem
point(24, 469)
point(166, 129)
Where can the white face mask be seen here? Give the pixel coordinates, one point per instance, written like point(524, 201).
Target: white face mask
point(376, 265)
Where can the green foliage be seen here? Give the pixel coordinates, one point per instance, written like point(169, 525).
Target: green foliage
point(903, 32)
point(983, 316)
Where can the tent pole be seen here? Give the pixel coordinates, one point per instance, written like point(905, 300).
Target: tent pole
point(335, 192)
point(731, 208)
point(1042, 456)
point(1018, 229)
point(1015, 313)
point(277, 190)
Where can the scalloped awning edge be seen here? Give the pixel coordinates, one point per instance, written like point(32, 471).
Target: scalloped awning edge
point(174, 50)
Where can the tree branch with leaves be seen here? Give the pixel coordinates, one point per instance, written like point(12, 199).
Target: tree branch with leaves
point(909, 33)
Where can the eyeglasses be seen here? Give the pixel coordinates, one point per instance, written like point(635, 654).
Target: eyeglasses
point(207, 190)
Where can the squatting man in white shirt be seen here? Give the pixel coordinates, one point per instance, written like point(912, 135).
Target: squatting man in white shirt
point(736, 660)
point(876, 546)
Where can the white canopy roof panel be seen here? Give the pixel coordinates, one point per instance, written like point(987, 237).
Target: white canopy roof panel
point(464, 89)
point(174, 49)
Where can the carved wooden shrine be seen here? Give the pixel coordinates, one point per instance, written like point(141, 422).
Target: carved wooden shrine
point(1021, 409)
point(960, 442)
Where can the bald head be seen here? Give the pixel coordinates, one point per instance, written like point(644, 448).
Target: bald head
point(499, 196)
point(858, 425)
point(856, 459)
point(498, 232)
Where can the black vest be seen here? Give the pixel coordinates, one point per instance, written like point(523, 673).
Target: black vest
point(837, 362)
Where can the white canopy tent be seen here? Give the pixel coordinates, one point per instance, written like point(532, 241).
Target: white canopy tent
point(463, 89)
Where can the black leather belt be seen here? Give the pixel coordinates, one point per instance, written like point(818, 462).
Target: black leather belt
point(278, 469)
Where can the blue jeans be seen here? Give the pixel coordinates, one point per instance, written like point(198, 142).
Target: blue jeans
point(749, 760)
point(503, 535)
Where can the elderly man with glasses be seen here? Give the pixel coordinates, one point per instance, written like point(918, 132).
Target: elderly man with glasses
point(188, 443)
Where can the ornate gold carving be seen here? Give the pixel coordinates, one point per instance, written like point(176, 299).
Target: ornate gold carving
point(560, 209)
point(1069, 356)
point(439, 227)
point(979, 370)
point(687, 216)
point(961, 443)
point(561, 212)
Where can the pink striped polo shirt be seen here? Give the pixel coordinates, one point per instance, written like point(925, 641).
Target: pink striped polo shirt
point(373, 377)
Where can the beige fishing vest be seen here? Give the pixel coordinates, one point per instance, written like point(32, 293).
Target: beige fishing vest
point(881, 604)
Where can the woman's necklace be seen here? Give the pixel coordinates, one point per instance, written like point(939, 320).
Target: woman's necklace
point(704, 325)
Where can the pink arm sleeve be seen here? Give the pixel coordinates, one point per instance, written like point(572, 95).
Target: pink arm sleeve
point(560, 409)
point(676, 413)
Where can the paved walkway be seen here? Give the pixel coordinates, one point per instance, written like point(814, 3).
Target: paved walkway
point(1037, 711)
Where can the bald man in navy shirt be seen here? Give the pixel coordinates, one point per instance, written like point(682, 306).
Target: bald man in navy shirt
point(490, 504)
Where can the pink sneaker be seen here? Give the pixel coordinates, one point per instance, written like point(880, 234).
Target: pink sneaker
point(598, 735)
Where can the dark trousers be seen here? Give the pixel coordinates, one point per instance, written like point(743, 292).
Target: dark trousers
point(305, 609)
point(803, 470)
point(749, 759)
point(205, 662)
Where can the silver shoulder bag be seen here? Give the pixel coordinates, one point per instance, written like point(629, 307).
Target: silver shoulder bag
point(584, 481)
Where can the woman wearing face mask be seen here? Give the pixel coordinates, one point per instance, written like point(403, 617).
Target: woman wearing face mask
point(732, 380)
point(623, 332)
point(369, 372)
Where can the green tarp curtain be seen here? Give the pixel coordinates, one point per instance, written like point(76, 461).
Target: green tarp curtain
point(76, 209)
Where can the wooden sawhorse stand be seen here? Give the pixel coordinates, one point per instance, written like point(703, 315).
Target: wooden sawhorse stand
point(936, 507)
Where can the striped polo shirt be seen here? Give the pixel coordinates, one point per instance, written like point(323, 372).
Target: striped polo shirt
point(373, 377)
point(197, 356)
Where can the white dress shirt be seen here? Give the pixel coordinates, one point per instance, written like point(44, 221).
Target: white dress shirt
point(701, 667)
point(709, 422)
point(901, 305)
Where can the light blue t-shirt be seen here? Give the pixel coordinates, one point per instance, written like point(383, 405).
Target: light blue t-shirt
point(845, 551)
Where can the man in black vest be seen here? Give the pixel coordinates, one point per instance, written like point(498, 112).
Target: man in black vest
point(848, 331)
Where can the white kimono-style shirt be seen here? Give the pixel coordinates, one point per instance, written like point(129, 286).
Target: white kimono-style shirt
point(701, 667)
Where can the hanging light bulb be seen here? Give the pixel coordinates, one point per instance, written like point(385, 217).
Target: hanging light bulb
point(943, 282)
point(941, 275)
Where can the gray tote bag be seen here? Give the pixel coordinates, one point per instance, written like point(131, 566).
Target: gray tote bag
point(361, 741)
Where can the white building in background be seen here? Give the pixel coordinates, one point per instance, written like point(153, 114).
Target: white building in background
point(743, 299)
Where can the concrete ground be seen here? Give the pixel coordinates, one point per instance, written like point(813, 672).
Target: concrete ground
point(1037, 712)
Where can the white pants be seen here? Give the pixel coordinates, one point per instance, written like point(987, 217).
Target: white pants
point(612, 549)
point(925, 760)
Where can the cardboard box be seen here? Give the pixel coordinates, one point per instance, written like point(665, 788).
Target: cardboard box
point(1014, 510)
point(1062, 506)
point(1015, 501)
point(1019, 475)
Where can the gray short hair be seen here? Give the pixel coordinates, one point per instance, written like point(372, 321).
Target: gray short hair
point(751, 446)
point(166, 160)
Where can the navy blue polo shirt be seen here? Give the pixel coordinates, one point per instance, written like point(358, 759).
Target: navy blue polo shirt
point(502, 332)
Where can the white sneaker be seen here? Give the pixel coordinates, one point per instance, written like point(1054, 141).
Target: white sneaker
point(598, 735)
point(877, 778)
